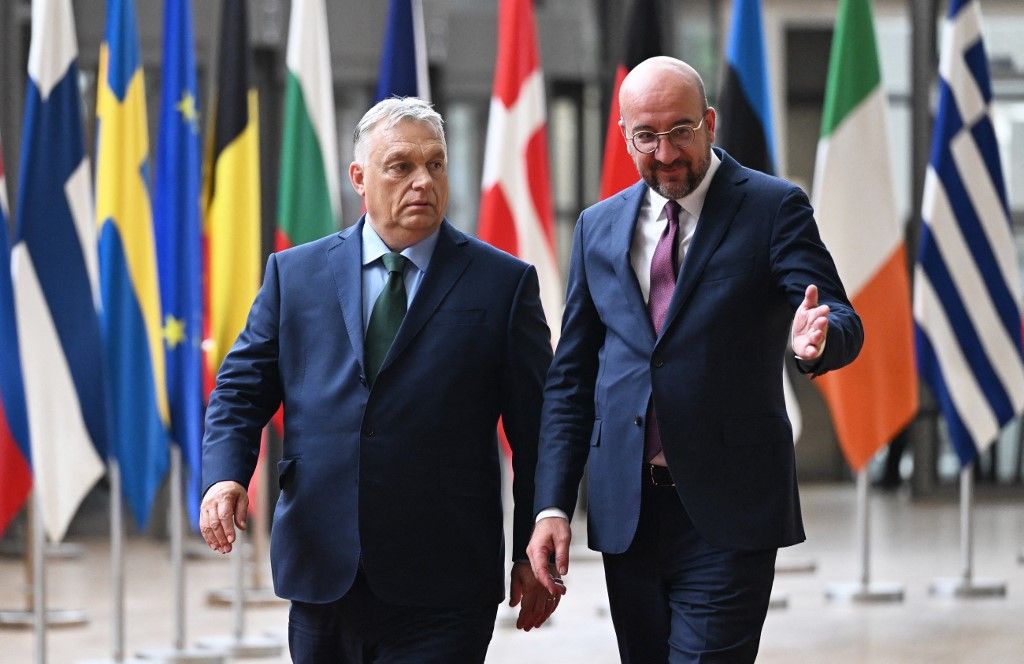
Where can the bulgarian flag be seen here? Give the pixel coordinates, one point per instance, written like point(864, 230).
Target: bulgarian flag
point(872, 399)
point(309, 197)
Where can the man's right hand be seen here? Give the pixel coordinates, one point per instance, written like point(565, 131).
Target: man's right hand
point(224, 505)
point(551, 535)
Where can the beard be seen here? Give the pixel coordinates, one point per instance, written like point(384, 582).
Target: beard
point(693, 174)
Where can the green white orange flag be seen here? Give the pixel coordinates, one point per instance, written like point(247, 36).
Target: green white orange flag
point(872, 399)
point(309, 197)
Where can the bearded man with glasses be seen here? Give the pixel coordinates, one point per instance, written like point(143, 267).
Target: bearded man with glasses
point(684, 292)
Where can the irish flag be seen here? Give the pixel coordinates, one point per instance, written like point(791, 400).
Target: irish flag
point(309, 197)
point(872, 399)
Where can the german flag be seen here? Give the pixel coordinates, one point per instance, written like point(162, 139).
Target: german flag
point(231, 193)
point(643, 40)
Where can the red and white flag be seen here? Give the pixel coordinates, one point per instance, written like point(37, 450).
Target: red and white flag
point(516, 212)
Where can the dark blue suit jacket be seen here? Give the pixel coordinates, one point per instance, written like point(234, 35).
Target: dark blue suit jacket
point(403, 478)
point(715, 372)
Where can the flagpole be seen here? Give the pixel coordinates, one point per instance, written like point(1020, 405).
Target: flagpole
point(238, 644)
point(966, 585)
point(116, 569)
point(178, 653)
point(38, 578)
point(36, 548)
point(864, 590)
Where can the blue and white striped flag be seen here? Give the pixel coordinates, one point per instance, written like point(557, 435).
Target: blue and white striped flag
point(54, 264)
point(967, 296)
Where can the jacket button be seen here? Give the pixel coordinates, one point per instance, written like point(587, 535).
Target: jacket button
point(369, 433)
point(659, 364)
point(638, 420)
point(362, 380)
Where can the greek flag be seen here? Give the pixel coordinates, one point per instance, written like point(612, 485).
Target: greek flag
point(967, 297)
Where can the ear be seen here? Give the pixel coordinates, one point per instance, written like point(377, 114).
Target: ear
point(710, 119)
point(355, 176)
point(622, 130)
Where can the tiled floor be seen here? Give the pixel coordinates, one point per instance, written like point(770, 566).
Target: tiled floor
point(912, 544)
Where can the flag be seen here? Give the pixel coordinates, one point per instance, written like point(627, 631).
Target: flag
point(744, 128)
point(55, 276)
point(874, 398)
point(231, 192)
point(129, 284)
point(643, 40)
point(403, 58)
point(516, 211)
point(176, 184)
point(15, 471)
point(308, 204)
point(967, 297)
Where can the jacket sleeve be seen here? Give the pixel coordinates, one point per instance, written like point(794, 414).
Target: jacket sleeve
point(567, 418)
point(526, 361)
point(247, 393)
point(799, 258)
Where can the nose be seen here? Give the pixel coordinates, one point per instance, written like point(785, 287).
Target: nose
point(421, 178)
point(666, 153)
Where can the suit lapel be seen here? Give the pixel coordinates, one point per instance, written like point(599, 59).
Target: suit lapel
point(345, 259)
point(720, 206)
point(446, 266)
point(622, 242)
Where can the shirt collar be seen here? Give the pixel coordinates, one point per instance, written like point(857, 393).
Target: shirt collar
point(419, 254)
point(693, 202)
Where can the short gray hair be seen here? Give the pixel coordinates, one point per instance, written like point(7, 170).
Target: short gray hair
point(389, 112)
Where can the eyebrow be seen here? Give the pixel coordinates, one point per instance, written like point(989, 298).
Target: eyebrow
point(677, 123)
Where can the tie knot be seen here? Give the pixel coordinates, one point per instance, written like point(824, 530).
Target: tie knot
point(672, 210)
point(394, 262)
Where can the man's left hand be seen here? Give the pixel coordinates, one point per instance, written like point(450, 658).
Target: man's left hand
point(810, 327)
point(536, 604)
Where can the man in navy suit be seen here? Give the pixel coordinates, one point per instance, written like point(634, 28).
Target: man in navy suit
point(394, 347)
point(684, 291)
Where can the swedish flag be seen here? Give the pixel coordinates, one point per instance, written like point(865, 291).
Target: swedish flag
point(129, 289)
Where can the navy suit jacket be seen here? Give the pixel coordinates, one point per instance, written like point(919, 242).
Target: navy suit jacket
point(402, 477)
point(715, 372)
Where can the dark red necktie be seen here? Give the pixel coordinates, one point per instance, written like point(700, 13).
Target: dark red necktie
point(664, 268)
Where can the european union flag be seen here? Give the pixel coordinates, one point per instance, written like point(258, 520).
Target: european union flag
point(403, 58)
point(128, 273)
point(176, 188)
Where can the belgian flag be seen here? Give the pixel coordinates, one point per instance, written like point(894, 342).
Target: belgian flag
point(231, 192)
point(643, 40)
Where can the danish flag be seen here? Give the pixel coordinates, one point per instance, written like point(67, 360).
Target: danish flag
point(516, 212)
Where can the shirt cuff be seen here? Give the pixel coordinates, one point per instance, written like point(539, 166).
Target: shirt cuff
point(551, 511)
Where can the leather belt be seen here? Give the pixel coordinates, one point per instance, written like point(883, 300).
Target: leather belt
point(658, 475)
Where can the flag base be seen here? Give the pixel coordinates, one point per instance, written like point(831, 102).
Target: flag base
point(961, 587)
point(796, 566)
point(21, 619)
point(249, 646)
point(778, 601)
point(250, 597)
point(865, 593)
point(182, 656)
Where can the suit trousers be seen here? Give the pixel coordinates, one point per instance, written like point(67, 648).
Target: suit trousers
point(361, 628)
point(676, 598)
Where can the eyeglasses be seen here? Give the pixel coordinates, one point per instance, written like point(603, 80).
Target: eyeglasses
point(680, 137)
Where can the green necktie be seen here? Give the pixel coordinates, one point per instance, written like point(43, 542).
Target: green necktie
point(386, 317)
